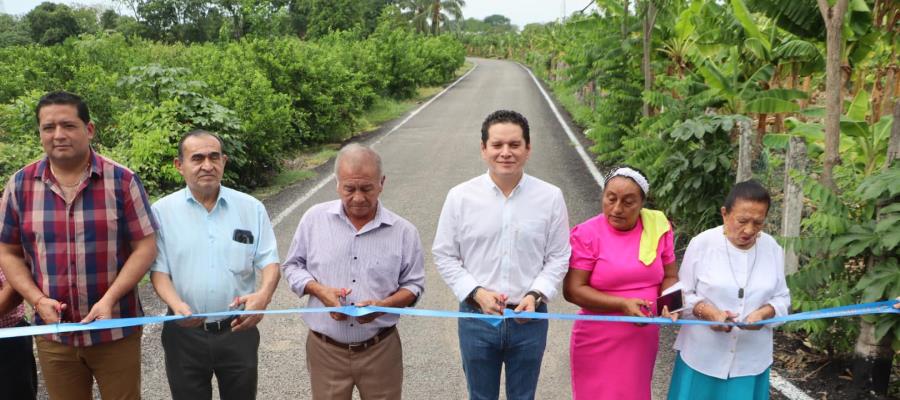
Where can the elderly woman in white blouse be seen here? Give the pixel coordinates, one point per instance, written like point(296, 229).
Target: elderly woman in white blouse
point(730, 273)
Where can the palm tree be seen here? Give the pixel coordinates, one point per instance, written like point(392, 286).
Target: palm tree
point(421, 12)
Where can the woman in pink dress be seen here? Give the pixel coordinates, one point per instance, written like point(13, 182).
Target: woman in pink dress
point(609, 276)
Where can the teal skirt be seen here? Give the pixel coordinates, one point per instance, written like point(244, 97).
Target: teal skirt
point(688, 384)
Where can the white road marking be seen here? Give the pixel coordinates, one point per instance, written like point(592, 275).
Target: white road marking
point(306, 196)
point(787, 388)
point(578, 147)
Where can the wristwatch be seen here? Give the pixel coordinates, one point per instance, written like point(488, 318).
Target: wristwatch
point(538, 297)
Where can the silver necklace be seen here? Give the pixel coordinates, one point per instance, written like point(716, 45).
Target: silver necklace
point(749, 273)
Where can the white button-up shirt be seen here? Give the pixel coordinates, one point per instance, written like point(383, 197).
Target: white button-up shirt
point(510, 245)
point(707, 275)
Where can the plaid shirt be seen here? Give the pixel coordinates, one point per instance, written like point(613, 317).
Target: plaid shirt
point(15, 316)
point(76, 250)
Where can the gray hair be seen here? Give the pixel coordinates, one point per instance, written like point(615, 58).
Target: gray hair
point(355, 154)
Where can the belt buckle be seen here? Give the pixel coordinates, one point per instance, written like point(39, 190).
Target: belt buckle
point(357, 347)
point(208, 326)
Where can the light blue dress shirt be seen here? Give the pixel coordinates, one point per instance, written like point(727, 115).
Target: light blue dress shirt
point(197, 248)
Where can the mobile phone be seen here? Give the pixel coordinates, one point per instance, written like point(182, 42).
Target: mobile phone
point(673, 300)
point(242, 236)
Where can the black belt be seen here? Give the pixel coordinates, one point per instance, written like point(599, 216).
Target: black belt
point(358, 346)
point(221, 325)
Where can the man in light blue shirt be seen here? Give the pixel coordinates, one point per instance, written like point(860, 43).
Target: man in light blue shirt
point(212, 243)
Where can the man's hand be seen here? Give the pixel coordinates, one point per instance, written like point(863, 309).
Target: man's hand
point(365, 319)
point(251, 302)
point(491, 303)
point(330, 297)
point(100, 310)
point(185, 310)
point(526, 305)
point(50, 310)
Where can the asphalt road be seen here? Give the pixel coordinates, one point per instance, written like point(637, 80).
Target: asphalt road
point(432, 152)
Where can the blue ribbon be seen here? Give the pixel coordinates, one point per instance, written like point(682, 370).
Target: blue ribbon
point(883, 307)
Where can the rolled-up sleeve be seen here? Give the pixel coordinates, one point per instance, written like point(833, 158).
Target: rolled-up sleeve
point(556, 262)
point(294, 268)
point(412, 274)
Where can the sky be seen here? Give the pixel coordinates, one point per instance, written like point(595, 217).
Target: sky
point(521, 12)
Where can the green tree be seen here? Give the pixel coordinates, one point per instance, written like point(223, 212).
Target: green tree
point(51, 23)
point(13, 31)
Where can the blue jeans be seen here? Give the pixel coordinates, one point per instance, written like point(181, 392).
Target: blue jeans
point(485, 349)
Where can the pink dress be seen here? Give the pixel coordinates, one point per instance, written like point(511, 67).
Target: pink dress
point(614, 360)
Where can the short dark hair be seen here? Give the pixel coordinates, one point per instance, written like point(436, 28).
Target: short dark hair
point(194, 133)
point(63, 98)
point(505, 116)
point(749, 190)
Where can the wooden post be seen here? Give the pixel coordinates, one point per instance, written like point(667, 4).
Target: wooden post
point(894, 142)
point(745, 152)
point(793, 201)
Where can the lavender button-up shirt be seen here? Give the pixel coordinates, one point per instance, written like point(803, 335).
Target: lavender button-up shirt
point(374, 262)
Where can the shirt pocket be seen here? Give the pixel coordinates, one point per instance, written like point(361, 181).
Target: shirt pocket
point(532, 232)
point(239, 258)
point(384, 274)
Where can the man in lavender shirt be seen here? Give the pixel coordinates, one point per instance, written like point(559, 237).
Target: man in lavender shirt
point(354, 251)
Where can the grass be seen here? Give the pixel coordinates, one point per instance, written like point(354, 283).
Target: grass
point(300, 167)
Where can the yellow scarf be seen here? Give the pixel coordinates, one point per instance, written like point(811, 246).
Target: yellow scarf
point(655, 226)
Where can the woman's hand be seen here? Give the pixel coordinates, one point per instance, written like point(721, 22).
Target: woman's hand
point(666, 314)
point(764, 312)
point(723, 316)
point(632, 307)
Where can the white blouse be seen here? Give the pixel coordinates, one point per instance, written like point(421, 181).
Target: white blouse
point(714, 270)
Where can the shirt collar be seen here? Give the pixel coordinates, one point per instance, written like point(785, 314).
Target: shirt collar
point(221, 199)
point(43, 168)
point(489, 183)
point(382, 216)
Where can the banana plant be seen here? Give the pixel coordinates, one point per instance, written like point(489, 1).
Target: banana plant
point(863, 145)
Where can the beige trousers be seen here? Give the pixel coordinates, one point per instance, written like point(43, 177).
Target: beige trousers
point(377, 372)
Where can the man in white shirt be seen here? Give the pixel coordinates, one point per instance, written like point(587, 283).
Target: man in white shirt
point(503, 242)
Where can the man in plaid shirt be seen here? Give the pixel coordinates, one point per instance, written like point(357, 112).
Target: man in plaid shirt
point(76, 237)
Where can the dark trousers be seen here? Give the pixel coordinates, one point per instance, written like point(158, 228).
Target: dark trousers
point(18, 371)
point(194, 355)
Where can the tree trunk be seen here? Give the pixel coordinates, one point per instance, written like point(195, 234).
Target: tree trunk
point(435, 17)
point(834, 20)
point(793, 201)
point(872, 359)
point(745, 152)
point(625, 21)
point(649, 21)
